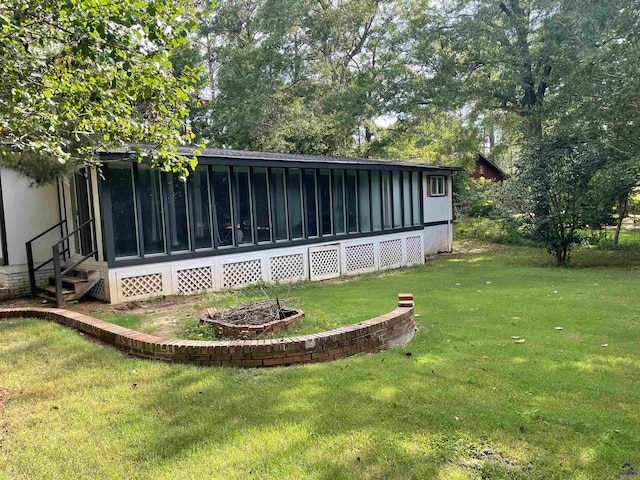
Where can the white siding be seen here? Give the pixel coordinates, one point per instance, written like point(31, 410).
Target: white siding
point(437, 209)
point(28, 211)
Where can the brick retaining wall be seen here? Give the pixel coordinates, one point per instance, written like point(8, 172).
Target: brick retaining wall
point(391, 329)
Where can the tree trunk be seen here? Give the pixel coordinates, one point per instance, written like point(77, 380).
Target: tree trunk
point(622, 213)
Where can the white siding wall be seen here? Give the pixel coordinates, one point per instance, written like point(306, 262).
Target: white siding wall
point(437, 209)
point(28, 211)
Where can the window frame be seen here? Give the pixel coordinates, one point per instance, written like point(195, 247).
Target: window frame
point(437, 192)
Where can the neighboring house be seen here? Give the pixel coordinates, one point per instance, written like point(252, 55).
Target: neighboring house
point(240, 218)
point(487, 169)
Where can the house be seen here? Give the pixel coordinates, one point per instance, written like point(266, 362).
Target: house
point(487, 169)
point(131, 232)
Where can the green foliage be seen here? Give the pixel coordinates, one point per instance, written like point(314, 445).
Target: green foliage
point(557, 192)
point(80, 76)
point(476, 198)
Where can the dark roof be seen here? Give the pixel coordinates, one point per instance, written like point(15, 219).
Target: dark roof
point(481, 156)
point(289, 158)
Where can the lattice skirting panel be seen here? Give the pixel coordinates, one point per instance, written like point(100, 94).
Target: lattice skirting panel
point(360, 258)
point(286, 267)
point(241, 273)
point(414, 250)
point(324, 262)
point(195, 279)
point(99, 290)
point(391, 253)
point(141, 285)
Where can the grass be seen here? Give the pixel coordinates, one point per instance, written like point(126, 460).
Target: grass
point(467, 403)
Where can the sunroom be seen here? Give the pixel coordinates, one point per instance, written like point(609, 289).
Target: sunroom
point(245, 217)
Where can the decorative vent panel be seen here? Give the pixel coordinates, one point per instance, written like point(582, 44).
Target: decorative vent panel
point(99, 290)
point(360, 257)
point(142, 285)
point(241, 273)
point(195, 280)
point(391, 253)
point(287, 267)
point(324, 262)
point(414, 250)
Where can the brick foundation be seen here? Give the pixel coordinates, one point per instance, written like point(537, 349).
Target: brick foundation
point(391, 329)
point(13, 285)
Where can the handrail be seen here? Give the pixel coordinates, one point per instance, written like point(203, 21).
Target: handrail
point(57, 252)
point(67, 270)
point(30, 266)
point(69, 235)
point(47, 231)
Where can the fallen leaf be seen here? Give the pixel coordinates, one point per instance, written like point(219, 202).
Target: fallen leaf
point(456, 418)
point(604, 345)
point(133, 387)
point(457, 284)
point(558, 328)
point(515, 337)
point(519, 341)
point(488, 283)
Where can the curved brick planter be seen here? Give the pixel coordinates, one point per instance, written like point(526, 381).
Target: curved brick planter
point(233, 330)
point(394, 328)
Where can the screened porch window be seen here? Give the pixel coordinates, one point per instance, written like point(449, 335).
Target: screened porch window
point(294, 197)
point(157, 213)
point(311, 208)
point(261, 204)
point(364, 201)
point(279, 203)
point(352, 201)
point(123, 210)
point(200, 191)
point(242, 203)
point(177, 212)
point(220, 185)
point(151, 211)
point(324, 191)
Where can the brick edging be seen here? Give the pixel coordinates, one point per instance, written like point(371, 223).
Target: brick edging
point(394, 328)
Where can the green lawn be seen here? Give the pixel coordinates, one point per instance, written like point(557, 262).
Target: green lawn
point(467, 403)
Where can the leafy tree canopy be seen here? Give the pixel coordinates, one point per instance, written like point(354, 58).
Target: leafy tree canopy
point(81, 76)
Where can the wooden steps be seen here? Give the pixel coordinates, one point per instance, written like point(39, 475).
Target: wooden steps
point(74, 285)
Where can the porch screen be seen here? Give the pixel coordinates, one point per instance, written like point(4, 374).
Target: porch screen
point(222, 199)
point(261, 204)
point(177, 212)
point(376, 201)
point(338, 202)
point(278, 203)
point(150, 195)
point(123, 212)
point(199, 186)
point(294, 199)
point(364, 204)
point(397, 199)
point(310, 202)
point(324, 191)
point(242, 204)
point(352, 201)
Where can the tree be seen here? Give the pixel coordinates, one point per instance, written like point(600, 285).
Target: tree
point(320, 71)
point(555, 189)
point(81, 76)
